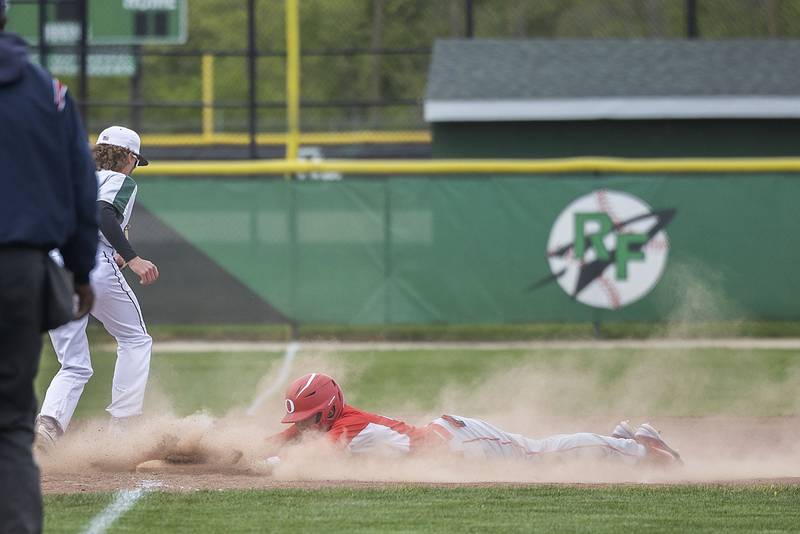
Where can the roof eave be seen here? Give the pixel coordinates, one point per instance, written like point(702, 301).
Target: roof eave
point(616, 108)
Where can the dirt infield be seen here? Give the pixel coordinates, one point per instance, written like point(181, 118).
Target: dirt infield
point(717, 450)
point(105, 482)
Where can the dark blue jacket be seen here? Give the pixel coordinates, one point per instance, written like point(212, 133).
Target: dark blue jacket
point(48, 186)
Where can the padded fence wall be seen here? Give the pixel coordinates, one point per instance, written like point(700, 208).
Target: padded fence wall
point(470, 249)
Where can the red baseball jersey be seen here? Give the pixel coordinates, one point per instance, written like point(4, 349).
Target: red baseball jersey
point(359, 431)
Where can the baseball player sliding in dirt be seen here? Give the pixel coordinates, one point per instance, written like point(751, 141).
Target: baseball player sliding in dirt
point(316, 402)
point(116, 155)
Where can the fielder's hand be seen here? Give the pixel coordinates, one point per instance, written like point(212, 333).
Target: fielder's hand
point(85, 299)
point(144, 269)
point(120, 261)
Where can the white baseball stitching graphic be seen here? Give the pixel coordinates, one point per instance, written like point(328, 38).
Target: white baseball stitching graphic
point(608, 285)
point(608, 249)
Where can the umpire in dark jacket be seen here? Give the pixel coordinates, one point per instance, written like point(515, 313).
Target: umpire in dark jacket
point(48, 191)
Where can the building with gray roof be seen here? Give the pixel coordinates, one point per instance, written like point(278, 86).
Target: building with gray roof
point(634, 98)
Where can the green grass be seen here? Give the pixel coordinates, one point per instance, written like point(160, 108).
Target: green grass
point(557, 382)
point(429, 509)
point(505, 332)
point(72, 512)
point(533, 331)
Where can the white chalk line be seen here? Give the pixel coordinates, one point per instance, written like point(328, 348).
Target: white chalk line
point(123, 501)
point(365, 346)
point(283, 375)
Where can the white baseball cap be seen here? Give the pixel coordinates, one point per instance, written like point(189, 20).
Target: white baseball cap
point(124, 137)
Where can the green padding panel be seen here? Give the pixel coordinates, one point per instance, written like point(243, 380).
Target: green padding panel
point(468, 249)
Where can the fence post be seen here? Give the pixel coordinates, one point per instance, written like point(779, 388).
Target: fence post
point(208, 97)
point(136, 89)
point(42, 35)
point(294, 260)
point(469, 31)
point(251, 75)
point(292, 79)
point(83, 13)
point(387, 251)
point(691, 19)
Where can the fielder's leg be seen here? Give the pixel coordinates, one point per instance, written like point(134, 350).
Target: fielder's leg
point(118, 309)
point(72, 350)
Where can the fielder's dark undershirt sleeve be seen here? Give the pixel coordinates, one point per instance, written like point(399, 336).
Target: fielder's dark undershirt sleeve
point(109, 225)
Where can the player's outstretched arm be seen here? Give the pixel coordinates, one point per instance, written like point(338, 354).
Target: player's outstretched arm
point(146, 270)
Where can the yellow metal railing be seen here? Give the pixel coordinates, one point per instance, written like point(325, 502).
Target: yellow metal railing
point(208, 97)
point(292, 78)
point(476, 166)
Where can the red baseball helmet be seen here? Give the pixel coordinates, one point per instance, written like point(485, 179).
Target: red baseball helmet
point(314, 395)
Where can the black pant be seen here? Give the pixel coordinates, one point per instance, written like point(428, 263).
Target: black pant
point(22, 276)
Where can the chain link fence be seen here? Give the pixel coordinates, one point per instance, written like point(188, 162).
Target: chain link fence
point(220, 83)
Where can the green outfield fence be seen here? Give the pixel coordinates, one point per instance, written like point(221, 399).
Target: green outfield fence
point(466, 248)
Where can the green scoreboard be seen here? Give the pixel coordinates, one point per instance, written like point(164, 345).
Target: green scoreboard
point(111, 22)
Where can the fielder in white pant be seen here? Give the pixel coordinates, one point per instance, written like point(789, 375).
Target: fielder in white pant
point(116, 307)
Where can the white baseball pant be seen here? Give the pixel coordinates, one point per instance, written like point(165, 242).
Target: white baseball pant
point(479, 439)
point(118, 309)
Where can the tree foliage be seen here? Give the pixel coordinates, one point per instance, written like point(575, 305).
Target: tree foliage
point(345, 86)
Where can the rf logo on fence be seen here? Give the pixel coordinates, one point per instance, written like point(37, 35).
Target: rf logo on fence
point(608, 249)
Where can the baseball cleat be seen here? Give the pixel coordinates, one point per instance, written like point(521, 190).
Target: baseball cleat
point(657, 448)
point(47, 431)
point(623, 430)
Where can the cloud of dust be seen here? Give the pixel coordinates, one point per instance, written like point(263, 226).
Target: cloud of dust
point(537, 398)
point(698, 297)
point(231, 440)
